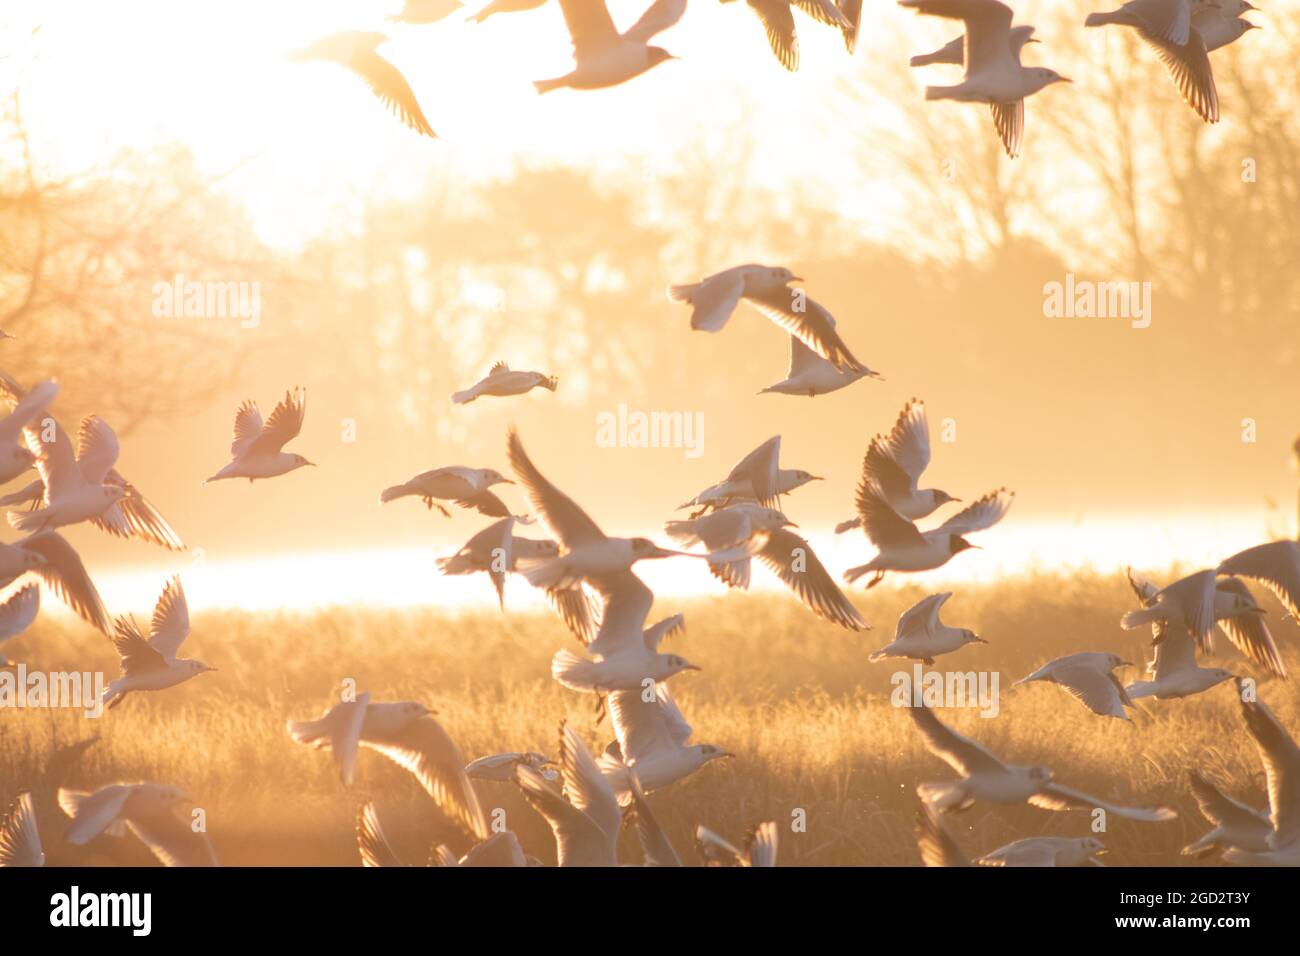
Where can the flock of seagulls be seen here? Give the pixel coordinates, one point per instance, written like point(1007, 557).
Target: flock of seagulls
point(1181, 32)
point(624, 661)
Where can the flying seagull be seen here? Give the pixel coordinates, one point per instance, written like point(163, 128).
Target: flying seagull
point(358, 51)
point(420, 12)
point(920, 634)
point(767, 288)
point(954, 51)
point(1281, 759)
point(986, 778)
point(20, 840)
point(148, 810)
point(777, 17)
point(1235, 825)
point(505, 6)
point(152, 664)
point(501, 381)
point(498, 551)
point(603, 57)
point(759, 848)
point(256, 450)
point(994, 73)
point(15, 456)
point(467, 487)
point(810, 374)
point(58, 566)
point(1089, 676)
point(756, 477)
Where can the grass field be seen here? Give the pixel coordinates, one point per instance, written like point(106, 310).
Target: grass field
point(796, 700)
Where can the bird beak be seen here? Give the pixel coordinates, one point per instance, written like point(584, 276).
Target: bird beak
point(794, 279)
point(791, 524)
point(1065, 79)
point(727, 753)
point(980, 640)
point(312, 463)
point(508, 481)
point(212, 669)
point(1033, 40)
point(694, 667)
point(816, 478)
point(670, 553)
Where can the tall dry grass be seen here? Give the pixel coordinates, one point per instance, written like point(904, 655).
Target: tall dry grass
point(796, 700)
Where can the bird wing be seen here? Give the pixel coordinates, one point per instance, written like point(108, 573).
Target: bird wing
point(1175, 650)
point(1194, 596)
point(981, 514)
point(562, 515)
point(92, 813)
point(56, 459)
point(578, 838)
point(961, 753)
point(585, 786)
point(762, 844)
point(881, 469)
point(988, 30)
point(372, 844)
point(1222, 810)
point(20, 840)
point(26, 405)
point(485, 502)
point(936, 844)
point(1249, 632)
point(661, 15)
point(1009, 121)
point(639, 725)
point(133, 516)
point(171, 620)
point(792, 559)
point(1281, 758)
point(1169, 20)
point(19, 611)
point(283, 426)
point(761, 467)
point(173, 842)
point(627, 603)
point(1188, 65)
point(1099, 691)
point(387, 82)
point(424, 749)
point(778, 21)
point(908, 442)
point(138, 657)
point(590, 25)
point(922, 617)
point(884, 526)
point(802, 358)
point(97, 449)
point(1029, 852)
point(797, 313)
point(65, 575)
point(248, 427)
point(1276, 565)
point(656, 849)
point(574, 607)
point(1054, 796)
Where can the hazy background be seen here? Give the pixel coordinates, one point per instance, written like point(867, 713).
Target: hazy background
point(145, 139)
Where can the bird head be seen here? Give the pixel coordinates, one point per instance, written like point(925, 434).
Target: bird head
point(1041, 76)
point(299, 461)
point(957, 544)
point(676, 664)
point(707, 752)
point(644, 548)
point(493, 477)
point(658, 54)
point(803, 477)
point(942, 497)
point(780, 275)
point(970, 637)
point(197, 667)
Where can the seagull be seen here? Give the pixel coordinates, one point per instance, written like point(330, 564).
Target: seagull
point(49, 556)
point(256, 449)
point(994, 73)
point(152, 664)
point(1168, 27)
point(15, 457)
point(985, 777)
point(1174, 671)
point(406, 733)
point(1196, 603)
point(650, 740)
point(1281, 759)
point(467, 487)
point(625, 656)
point(1047, 851)
point(97, 451)
point(603, 57)
point(1275, 565)
point(17, 613)
point(585, 816)
point(500, 849)
point(756, 477)
point(922, 636)
point(893, 466)
point(1088, 676)
point(419, 12)
point(714, 299)
point(810, 374)
point(587, 553)
point(1235, 825)
point(902, 547)
point(501, 381)
point(777, 17)
point(148, 810)
point(736, 533)
point(20, 841)
point(75, 485)
point(497, 551)
point(759, 848)
point(358, 51)
point(954, 51)
point(506, 6)
point(500, 768)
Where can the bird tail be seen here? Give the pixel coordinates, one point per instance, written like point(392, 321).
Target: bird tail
point(457, 564)
point(1140, 688)
point(393, 493)
point(1101, 19)
point(942, 796)
point(113, 695)
point(572, 671)
point(683, 293)
point(545, 86)
point(879, 655)
point(1135, 619)
point(939, 92)
point(1205, 846)
point(315, 733)
point(848, 525)
point(852, 574)
point(550, 576)
point(463, 397)
point(28, 521)
point(618, 775)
